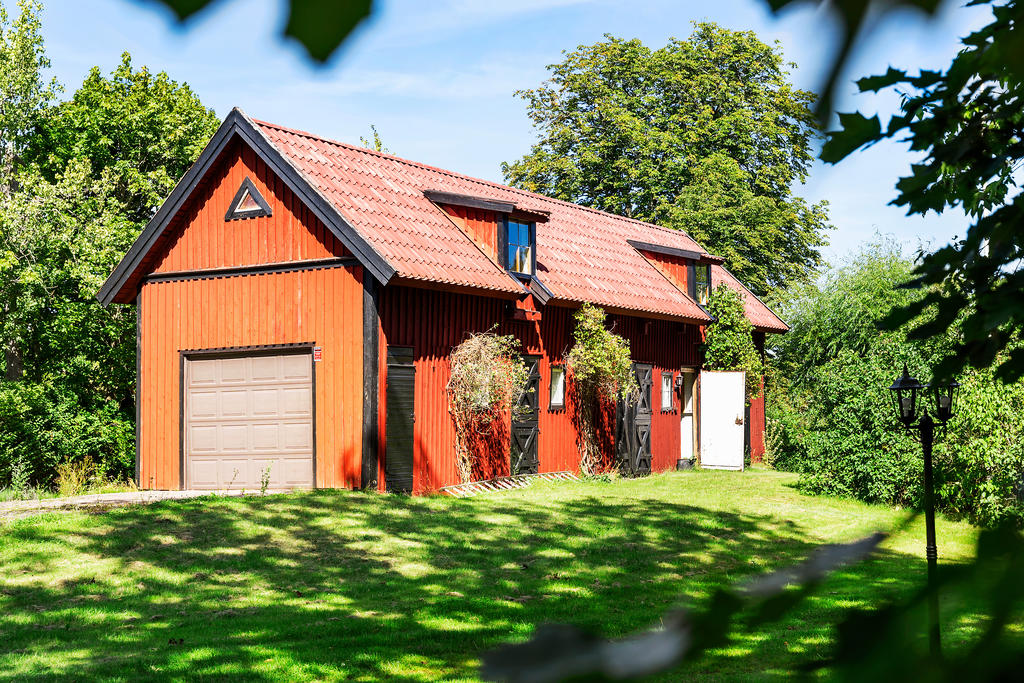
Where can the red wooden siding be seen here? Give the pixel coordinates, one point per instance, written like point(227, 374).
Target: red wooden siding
point(481, 226)
point(433, 322)
point(672, 267)
point(323, 306)
point(202, 238)
point(758, 421)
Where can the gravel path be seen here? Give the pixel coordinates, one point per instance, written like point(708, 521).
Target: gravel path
point(14, 509)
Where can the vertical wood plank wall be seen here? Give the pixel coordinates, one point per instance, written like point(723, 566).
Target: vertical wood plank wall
point(675, 268)
point(322, 306)
point(203, 239)
point(480, 225)
point(433, 322)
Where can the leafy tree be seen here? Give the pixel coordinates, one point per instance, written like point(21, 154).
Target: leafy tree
point(966, 120)
point(840, 311)
point(705, 135)
point(94, 170)
point(729, 344)
point(141, 128)
point(830, 416)
point(24, 94)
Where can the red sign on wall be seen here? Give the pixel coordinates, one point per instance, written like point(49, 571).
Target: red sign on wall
point(318, 354)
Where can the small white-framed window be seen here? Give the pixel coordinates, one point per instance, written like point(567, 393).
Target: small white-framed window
point(557, 396)
point(667, 388)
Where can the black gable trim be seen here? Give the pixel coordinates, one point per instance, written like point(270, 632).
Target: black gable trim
point(539, 291)
point(440, 197)
point(662, 249)
point(235, 214)
point(237, 123)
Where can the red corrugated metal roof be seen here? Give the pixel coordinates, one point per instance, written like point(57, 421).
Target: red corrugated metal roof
point(582, 254)
point(760, 316)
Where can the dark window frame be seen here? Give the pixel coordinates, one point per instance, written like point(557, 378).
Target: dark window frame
point(503, 246)
point(671, 392)
point(263, 207)
point(551, 387)
point(706, 268)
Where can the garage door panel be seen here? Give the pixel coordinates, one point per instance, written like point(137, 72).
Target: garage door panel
point(247, 416)
point(296, 402)
point(203, 473)
point(295, 472)
point(297, 436)
point(232, 370)
point(234, 403)
point(296, 368)
point(265, 368)
point(234, 439)
point(266, 437)
point(265, 401)
point(202, 404)
point(203, 372)
point(203, 439)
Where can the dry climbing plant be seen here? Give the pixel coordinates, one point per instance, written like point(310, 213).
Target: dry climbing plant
point(488, 376)
point(602, 370)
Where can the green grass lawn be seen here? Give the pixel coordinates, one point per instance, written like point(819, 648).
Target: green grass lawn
point(335, 585)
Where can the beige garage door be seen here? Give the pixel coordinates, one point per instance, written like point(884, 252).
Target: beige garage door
point(245, 416)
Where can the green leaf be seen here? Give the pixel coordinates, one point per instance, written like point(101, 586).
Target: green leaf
point(322, 25)
point(857, 132)
point(876, 83)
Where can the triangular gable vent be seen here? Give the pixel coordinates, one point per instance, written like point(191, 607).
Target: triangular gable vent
point(248, 203)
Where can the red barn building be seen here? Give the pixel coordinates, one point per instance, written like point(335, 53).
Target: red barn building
point(298, 299)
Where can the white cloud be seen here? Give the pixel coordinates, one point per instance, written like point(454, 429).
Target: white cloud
point(498, 78)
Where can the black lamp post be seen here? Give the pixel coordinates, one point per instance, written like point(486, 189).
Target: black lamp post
point(911, 399)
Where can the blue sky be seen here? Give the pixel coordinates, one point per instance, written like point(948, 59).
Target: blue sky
point(437, 78)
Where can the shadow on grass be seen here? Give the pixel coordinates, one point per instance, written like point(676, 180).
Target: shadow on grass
point(343, 585)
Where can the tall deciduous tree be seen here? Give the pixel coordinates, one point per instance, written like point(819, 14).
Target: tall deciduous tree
point(24, 94)
point(97, 166)
point(968, 122)
point(24, 91)
point(705, 135)
point(142, 127)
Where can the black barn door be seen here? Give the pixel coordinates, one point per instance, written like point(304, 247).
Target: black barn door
point(633, 425)
point(524, 427)
point(399, 419)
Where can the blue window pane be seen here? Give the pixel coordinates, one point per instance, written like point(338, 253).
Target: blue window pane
point(511, 255)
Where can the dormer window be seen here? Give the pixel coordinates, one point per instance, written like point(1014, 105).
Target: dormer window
point(520, 246)
point(702, 283)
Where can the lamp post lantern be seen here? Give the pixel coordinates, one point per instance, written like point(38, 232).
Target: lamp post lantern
point(910, 398)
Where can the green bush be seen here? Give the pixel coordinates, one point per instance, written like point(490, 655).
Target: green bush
point(730, 343)
point(830, 416)
point(44, 427)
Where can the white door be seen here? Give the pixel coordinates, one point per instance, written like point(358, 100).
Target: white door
point(249, 418)
point(686, 418)
point(722, 404)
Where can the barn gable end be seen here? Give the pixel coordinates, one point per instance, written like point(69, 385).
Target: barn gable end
point(203, 237)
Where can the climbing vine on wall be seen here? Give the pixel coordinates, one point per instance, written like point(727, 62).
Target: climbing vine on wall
point(488, 376)
point(601, 370)
point(729, 344)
